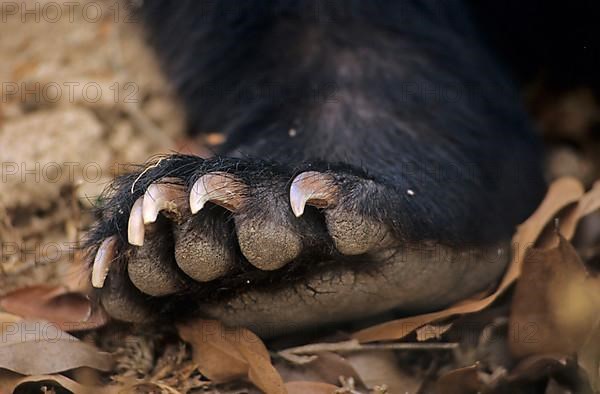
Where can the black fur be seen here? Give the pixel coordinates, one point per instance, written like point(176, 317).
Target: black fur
point(399, 94)
point(401, 90)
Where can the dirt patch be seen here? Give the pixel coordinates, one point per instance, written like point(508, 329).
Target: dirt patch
point(82, 96)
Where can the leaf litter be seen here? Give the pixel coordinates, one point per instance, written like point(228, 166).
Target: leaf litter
point(552, 334)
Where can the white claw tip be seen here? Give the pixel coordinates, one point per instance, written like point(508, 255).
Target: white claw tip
point(135, 226)
point(102, 262)
point(297, 200)
point(219, 188)
point(198, 196)
point(311, 188)
point(158, 197)
point(151, 204)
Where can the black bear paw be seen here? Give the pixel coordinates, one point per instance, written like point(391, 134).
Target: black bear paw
point(246, 240)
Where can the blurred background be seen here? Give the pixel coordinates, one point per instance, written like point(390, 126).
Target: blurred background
point(81, 94)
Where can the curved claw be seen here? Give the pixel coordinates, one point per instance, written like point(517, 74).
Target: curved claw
point(312, 188)
point(161, 196)
point(103, 260)
point(219, 188)
point(135, 225)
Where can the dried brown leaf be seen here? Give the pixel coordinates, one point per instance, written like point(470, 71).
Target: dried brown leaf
point(40, 348)
point(11, 382)
point(543, 366)
point(70, 311)
point(224, 354)
point(562, 193)
point(587, 204)
point(538, 366)
point(326, 367)
point(310, 388)
point(556, 303)
point(555, 308)
point(589, 358)
point(381, 368)
point(460, 381)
